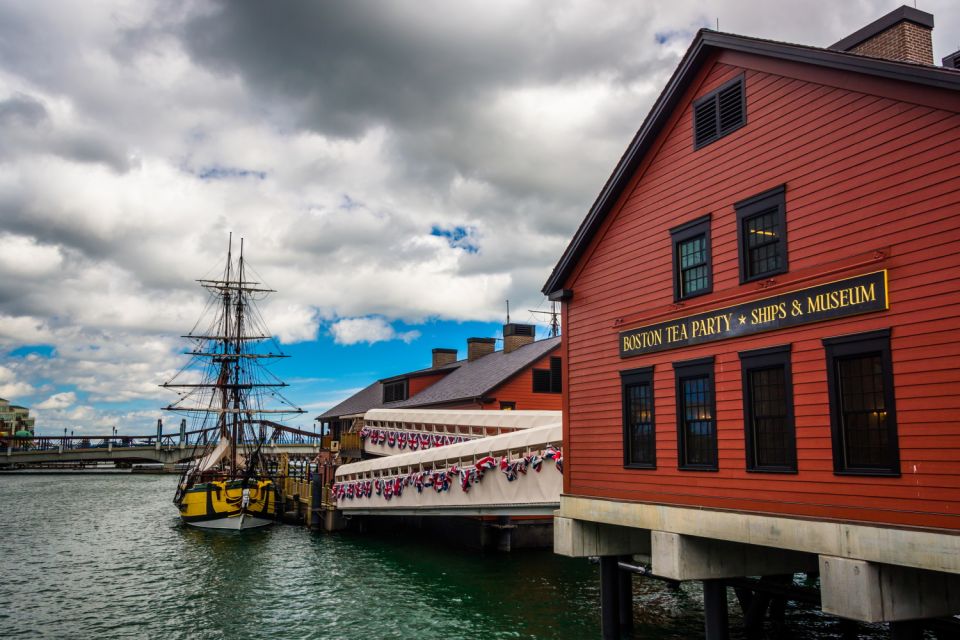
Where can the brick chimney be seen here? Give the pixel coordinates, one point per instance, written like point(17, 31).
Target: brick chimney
point(443, 356)
point(479, 347)
point(904, 34)
point(516, 335)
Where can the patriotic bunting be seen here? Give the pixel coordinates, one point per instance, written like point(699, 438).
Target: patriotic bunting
point(405, 439)
point(440, 480)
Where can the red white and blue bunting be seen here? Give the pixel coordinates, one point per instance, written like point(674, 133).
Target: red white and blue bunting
point(413, 440)
point(441, 480)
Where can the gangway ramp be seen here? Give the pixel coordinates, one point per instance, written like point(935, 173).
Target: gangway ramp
point(388, 432)
point(516, 473)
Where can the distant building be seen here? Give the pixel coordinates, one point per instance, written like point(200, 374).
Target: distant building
point(526, 374)
point(14, 418)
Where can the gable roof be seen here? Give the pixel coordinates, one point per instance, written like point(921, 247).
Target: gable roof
point(475, 379)
point(704, 44)
point(371, 397)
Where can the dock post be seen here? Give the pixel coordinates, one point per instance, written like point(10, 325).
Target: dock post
point(609, 597)
point(716, 623)
point(316, 501)
point(504, 534)
point(625, 596)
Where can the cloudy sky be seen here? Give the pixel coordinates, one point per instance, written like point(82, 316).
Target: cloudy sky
point(398, 170)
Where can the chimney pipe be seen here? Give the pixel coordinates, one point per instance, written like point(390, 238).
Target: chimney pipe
point(479, 347)
point(443, 356)
point(904, 35)
point(517, 335)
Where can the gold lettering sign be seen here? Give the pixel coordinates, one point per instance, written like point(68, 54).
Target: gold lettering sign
point(860, 294)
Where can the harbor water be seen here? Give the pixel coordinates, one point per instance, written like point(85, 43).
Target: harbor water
point(105, 556)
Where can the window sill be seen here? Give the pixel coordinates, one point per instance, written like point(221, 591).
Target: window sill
point(638, 465)
point(691, 467)
point(880, 473)
point(781, 470)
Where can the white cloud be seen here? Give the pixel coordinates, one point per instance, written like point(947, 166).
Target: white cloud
point(370, 330)
point(11, 386)
point(14, 390)
point(25, 257)
point(58, 401)
point(132, 140)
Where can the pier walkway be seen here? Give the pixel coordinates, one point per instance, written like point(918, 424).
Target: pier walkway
point(515, 473)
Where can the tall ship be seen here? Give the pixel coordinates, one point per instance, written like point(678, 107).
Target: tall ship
point(230, 397)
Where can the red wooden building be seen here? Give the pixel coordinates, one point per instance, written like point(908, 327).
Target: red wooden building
point(761, 318)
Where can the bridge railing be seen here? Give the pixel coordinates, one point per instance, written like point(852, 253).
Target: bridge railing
point(278, 434)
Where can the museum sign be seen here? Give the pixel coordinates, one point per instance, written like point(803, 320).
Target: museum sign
point(860, 294)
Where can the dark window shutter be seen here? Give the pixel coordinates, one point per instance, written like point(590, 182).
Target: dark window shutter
point(718, 113)
point(705, 122)
point(731, 108)
point(541, 381)
point(394, 391)
point(556, 376)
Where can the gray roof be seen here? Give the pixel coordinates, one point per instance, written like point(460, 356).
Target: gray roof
point(371, 397)
point(474, 379)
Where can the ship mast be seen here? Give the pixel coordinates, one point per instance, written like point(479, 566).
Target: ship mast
point(233, 379)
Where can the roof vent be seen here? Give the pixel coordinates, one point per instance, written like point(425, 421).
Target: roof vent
point(904, 35)
point(718, 113)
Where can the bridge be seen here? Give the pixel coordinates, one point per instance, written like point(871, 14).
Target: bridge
point(167, 449)
point(517, 472)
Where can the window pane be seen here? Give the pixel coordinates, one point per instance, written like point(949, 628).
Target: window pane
point(763, 243)
point(863, 411)
point(769, 423)
point(693, 265)
point(698, 424)
point(640, 429)
point(541, 381)
point(694, 280)
point(693, 252)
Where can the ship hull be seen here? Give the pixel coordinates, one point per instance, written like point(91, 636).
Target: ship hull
point(219, 504)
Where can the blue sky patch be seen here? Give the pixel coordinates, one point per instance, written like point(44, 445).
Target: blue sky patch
point(458, 237)
point(43, 350)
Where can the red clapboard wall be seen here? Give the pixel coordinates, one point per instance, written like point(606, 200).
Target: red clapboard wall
point(519, 389)
point(872, 175)
point(416, 384)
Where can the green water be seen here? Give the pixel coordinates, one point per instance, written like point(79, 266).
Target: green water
point(106, 557)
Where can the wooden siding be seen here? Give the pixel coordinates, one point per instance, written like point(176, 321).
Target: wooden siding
point(519, 389)
point(872, 175)
point(416, 384)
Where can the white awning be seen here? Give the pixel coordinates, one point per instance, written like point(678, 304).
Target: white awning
point(467, 417)
point(518, 442)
